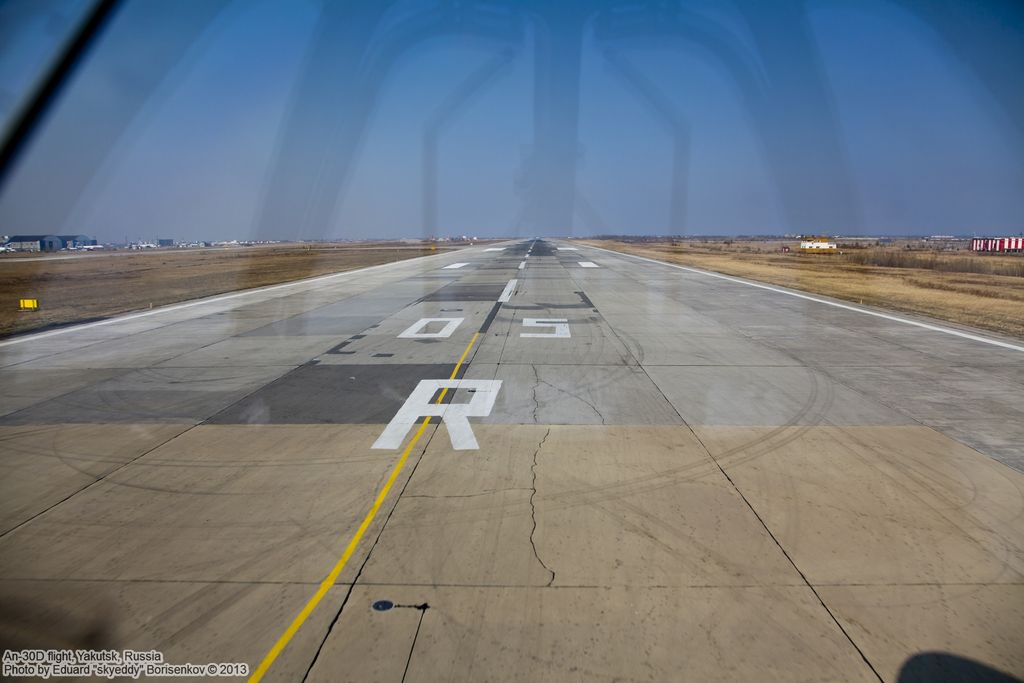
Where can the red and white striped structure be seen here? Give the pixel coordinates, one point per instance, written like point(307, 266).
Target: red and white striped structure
point(1003, 244)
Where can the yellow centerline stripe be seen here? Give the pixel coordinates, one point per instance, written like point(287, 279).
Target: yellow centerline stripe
point(326, 584)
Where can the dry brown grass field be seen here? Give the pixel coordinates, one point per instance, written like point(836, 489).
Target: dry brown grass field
point(80, 287)
point(984, 291)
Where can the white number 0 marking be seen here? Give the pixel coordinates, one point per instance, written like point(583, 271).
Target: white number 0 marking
point(416, 331)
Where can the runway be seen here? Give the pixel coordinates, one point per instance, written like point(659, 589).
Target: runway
point(630, 471)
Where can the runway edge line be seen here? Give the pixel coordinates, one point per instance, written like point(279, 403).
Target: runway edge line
point(780, 290)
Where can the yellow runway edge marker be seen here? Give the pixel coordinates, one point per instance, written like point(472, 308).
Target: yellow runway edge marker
point(326, 584)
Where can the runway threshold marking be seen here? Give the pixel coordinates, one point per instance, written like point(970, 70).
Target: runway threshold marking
point(327, 583)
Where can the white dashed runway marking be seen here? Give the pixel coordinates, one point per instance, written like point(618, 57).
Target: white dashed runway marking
point(506, 294)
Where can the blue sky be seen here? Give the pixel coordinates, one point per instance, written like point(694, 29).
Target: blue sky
point(273, 119)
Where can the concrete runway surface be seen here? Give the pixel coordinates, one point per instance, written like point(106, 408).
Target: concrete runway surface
point(637, 472)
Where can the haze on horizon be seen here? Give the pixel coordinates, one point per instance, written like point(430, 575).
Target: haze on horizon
point(266, 119)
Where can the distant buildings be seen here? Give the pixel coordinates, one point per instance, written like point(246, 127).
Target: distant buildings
point(48, 242)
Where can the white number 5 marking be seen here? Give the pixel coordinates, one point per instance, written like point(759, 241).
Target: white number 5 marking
point(560, 325)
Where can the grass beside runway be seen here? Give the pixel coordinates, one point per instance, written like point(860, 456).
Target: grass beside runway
point(101, 285)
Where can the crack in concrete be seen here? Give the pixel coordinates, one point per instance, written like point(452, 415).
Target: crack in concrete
point(568, 393)
point(536, 385)
point(533, 507)
point(487, 492)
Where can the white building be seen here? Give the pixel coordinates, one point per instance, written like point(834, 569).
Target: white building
point(817, 245)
